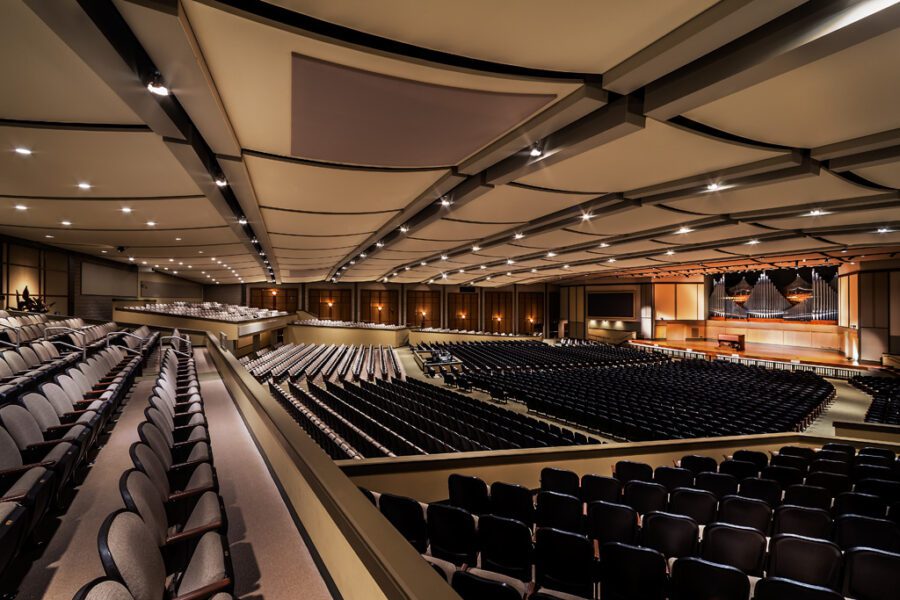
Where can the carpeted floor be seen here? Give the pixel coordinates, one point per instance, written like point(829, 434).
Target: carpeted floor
point(269, 555)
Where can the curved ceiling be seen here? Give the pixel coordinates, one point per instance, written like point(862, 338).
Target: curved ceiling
point(624, 138)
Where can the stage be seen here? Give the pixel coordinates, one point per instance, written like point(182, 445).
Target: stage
point(776, 352)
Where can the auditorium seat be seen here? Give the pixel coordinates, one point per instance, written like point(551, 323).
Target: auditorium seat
point(406, 515)
point(747, 512)
point(469, 493)
point(743, 548)
point(779, 588)
point(767, 490)
point(808, 496)
point(698, 464)
point(473, 587)
point(627, 470)
point(720, 484)
point(673, 477)
point(856, 503)
point(698, 579)
point(628, 572)
point(871, 574)
point(759, 459)
point(560, 480)
point(61, 455)
point(674, 536)
point(512, 501)
point(700, 505)
point(451, 534)
point(506, 547)
point(645, 496)
point(799, 520)
point(852, 531)
point(564, 562)
point(806, 560)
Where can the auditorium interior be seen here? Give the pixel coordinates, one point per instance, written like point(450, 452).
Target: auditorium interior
point(430, 300)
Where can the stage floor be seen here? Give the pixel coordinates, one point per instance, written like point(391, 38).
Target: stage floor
point(831, 358)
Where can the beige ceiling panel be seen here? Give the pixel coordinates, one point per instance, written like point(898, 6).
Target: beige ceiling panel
point(107, 214)
point(51, 82)
point(203, 253)
point(888, 174)
point(557, 238)
point(512, 204)
point(343, 227)
point(458, 231)
point(843, 96)
point(629, 221)
point(863, 239)
point(110, 238)
point(573, 256)
point(299, 186)
point(415, 245)
point(116, 164)
point(320, 253)
point(253, 77)
point(629, 263)
point(655, 154)
point(791, 245)
point(315, 242)
point(693, 256)
point(712, 234)
point(880, 216)
point(629, 247)
point(589, 37)
point(805, 190)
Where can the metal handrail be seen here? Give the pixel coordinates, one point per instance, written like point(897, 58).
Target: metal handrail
point(82, 349)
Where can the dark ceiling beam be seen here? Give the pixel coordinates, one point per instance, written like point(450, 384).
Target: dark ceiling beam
point(713, 28)
point(866, 143)
point(806, 34)
point(102, 38)
point(871, 158)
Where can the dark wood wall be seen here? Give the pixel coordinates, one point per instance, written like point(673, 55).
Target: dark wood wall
point(341, 300)
point(531, 311)
point(275, 298)
point(462, 311)
point(418, 301)
point(379, 306)
point(498, 312)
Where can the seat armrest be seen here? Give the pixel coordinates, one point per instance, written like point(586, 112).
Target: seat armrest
point(185, 465)
point(207, 591)
point(25, 468)
point(190, 534)
point(177, 496)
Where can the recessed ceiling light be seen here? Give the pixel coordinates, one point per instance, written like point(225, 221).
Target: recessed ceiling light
point(535, 151)
point(189, 266)
point(126, 210)
point(151, 223)
point(131, 258)
point(443, 276)
point(551, 254)
point(587, 217)
point(565, 266)
point(683, 230)
point(84, 185)
point(143, 262)
point(446, 201)
point(21, 207)
point(404, 229)
point(103, 252)
point(352, 262)
point(518, 236)
point(177, 239)
point(670, 252)
point(221, 182)
point(817, 212)
point(612, 260)
point(510, 261)
point(712, 187)
point(362, 255)
point(424, 264)
point(175, 272)
point(508, 273)
point(444, 257)
point(534, 270)
point(476, 248)
point(884, 230)
point(171, 260)
point(242, 221)
point(604, 245)
point(66, 223)
point(483, 267)
point(752, 242)
point(48, 236)
point(380, 244)
point(488, 278)
point(23, 151)
point(843, 252)
point(462, 270)
point(406, 268)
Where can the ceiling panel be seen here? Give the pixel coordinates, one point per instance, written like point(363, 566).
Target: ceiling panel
point(117, 164)
point(51, 82)
point(886, 174)
point(843, 96)
point(512, 204)
point(882, 216)
point(630, 220)
point(629, 247)
point(712, 234)
point(791, 245)
point(457, 231)
point(107, 214)
point(588, 37)
point(253, 77)
point(862, 239)
point(324, 225)
point(804, 190)
point(655, 154)
point(212, 235)
point(558, 238)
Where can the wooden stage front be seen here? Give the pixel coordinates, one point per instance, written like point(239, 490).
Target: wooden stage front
point(811, 356)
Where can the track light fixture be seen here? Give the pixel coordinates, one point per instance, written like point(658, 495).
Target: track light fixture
point(156, 85)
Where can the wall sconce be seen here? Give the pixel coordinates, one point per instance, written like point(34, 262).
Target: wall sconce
point(274, 292)
point(531, 320)
point(499, 318)
point(462, 315)
point(379, 308)
point(423, 313)
point(330, 304)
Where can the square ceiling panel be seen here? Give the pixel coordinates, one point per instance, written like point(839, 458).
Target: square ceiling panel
point(843, 96)
point(658, 153)
point(346, 115)
point(302, 186)
point(803, 190)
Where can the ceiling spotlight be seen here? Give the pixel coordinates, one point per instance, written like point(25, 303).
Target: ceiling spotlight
point(177, 239)
point(752, 242)
point(151, 223)
point(508, 273)
point(175, 272)
point(483, 267)
point(103, 251)
point(362, 255)
point(684, 230)
point(611, 260)
point(535, 151)
point(406, 268)
point(565, 266)
point(446, 201)
point(510, 261)
point(404, 229)
point(551, 254)
point(84, 185)
point(884, 230)
point(713, 187)
point(189, 266)
point(143, 262)
point(587, 217)
point(670, 252)
point(488, 278)
point(462, 270)
point(423, 263)
point(48, 236)
point(444, 257)
point(518, 236)
point(352, 262)
point(242, 221)
point(604, 245)
point(817, 212)
point(23, 151)
point(221, 181)
point(476, 248)
point(431, 281)
point(126, 210)
point(21, 207)
point(380, 244)
point(131, 258)
point(534, 270)
point(443, 276)
point(156, 86)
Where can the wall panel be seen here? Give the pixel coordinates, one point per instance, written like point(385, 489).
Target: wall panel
point(379, 306)
point(462, 311)
point(853, 306)
point(498, 312)
point(531, 312)
point(287, 299)
point(664, 301)
point(333, 304)
point(423, 301)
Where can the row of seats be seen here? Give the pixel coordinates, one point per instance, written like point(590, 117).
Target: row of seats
point(294, 362)
point(170, 539)
point(207, 310)
point(350, 324)
point(885, 392)
point(46, 436)
point(501, 356)
point(684, 399)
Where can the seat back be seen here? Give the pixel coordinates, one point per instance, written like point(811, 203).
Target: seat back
point(560, 511)
point(807, 560)
point(628, 470)
point(871, 574)
point(506, 546)
point(145, 460)
point(451, 531)
point(767, 490)
point(800, 520)
point(609, 522)
point(598, 487)
point(513, 501)
point(103, 589)
point(698, 579)
point(41, 409)
point(129, 553)
point(469, 493)
point(700, 505)
point(674, 536)
point(699, 464)
point(474, 587)
point(856, 503)
point(58, 398)
point(560, 481)
point(779, 588)
point(564, 562)
point(21, 425)
point(673, 477)
point(852, 531)
point(759, 459)
point(632, 572)
point(406, 515)
point(720, 484)
point(747, 512)
point(743, 548)
point(808, 495)
point(645, 496)
point(10, 458)
point(141, 497)
point(740, 469)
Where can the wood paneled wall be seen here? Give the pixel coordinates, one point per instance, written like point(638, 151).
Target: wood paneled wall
point(531, 311)
point(44, 272)
point(275, 298)
point(462, 311)
point(379, 306)
point(341, 301)
point(419, 301)
point(498, 312)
